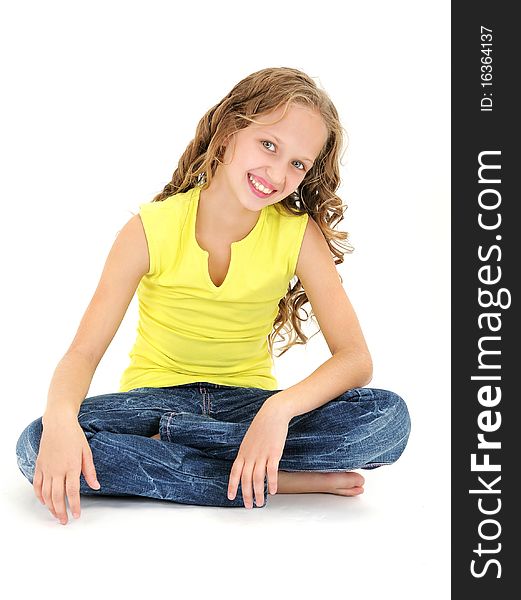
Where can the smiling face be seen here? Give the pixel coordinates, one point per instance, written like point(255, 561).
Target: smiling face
point(276, 156)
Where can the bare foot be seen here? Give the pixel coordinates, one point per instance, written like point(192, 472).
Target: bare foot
point(347, 483)
point(301, 482)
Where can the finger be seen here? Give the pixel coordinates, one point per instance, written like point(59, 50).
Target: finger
point(46, 493)
point(58, 498)
point(273, 473)
point(88, 469)
point(37, 485)
point(72, 487)
point(235, 476)
point(259, 474)
point(246, 485)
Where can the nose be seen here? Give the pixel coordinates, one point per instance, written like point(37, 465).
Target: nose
point(275, 176)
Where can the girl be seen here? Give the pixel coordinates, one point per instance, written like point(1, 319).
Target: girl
point(222, 260)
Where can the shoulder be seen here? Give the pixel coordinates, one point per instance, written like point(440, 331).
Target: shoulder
point(158, 218)
point(131, 245)
point(314, 251)
point(160, 223)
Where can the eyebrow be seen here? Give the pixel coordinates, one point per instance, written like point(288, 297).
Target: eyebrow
point(279, 142)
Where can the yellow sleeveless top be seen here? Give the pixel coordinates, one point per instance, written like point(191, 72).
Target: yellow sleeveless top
point(190, 330)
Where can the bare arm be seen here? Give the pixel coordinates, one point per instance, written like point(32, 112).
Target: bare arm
point(126, 264)
point(350, 365)
point(64, 451)
point(69, 386)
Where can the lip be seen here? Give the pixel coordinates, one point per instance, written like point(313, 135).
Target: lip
point(264, 182)
point(256, 192)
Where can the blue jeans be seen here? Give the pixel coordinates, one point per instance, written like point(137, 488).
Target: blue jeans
point(201, 427)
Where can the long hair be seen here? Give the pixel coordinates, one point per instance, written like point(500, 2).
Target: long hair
point(262, 92)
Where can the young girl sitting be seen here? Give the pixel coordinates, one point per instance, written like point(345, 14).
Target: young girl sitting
point(222, 260)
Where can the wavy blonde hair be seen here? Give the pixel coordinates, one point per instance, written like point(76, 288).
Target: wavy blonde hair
point(262, 92)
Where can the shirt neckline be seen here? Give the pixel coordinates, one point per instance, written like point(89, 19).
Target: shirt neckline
point(234, 246)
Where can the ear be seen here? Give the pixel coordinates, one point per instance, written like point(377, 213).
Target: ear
point(224, 146)
point(227, 139)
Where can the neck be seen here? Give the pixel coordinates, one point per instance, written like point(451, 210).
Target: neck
point(221, 207)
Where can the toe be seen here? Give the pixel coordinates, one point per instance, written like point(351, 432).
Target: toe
point(346, 480)
point(353, 491)
point(359, 479)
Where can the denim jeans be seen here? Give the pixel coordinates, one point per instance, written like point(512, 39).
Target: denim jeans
point(201, 427)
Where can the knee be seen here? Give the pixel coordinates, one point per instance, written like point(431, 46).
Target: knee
point(401, 413)
point(27, 448)
point(400, 422)
point(394, 408)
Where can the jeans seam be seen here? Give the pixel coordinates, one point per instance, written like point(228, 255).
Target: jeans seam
point(360, 395)
point(168, 426)
point(202, 391)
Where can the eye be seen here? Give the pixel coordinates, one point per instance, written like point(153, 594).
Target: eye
point(297, 161)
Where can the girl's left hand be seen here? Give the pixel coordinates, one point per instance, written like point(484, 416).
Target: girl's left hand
point(261, 447)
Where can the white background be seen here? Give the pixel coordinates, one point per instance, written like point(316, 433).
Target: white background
point(99, 101)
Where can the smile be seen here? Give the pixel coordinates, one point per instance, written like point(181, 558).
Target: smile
point(258, 186)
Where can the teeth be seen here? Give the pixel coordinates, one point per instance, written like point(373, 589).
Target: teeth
point(259, 186)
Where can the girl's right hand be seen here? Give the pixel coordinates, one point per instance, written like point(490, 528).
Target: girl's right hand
point(63, 455)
